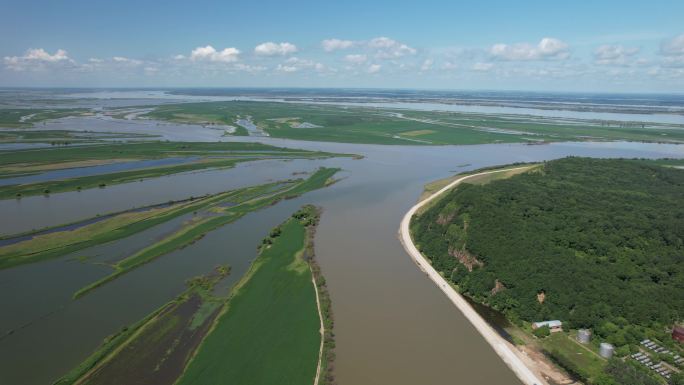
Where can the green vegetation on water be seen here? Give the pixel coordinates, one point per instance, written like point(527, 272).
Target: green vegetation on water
point(214, 216)
point(156, 349)
point(145, 150)
point(393, 126)
point(596, 243)
point(271, 320)
point(117, 226)
point(103, 180)
point(27, 117)
point(200, 156)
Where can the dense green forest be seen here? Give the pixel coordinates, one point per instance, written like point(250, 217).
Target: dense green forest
point(596, 243)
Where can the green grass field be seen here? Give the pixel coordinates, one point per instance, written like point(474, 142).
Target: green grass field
point(583, 360)
point(269, 331)
point(387, 126)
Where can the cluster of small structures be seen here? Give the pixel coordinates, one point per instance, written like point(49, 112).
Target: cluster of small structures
point(661, 368)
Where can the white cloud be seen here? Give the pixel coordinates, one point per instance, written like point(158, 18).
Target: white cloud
point(427, 65)
point(673, 50)
point(295, 64)
point(673, 47)
point(374, 68)
point(615, 55)
point(209, 53)
point(547, 49)
point(356, 58)
point(449, 66)
point(482, 67)
point(286, 68)
point(382, 48)
point(126, 61)
point(330, 45)
point(386, 48)
point(275, 49)
point(249, 68)
point(41, 54)
point(37, 58)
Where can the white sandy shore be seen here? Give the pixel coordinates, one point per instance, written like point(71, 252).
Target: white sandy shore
point(500, 345)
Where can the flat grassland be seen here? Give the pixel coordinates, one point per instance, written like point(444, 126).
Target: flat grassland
point(574, 357)
point(393, 126)
point(268, 333)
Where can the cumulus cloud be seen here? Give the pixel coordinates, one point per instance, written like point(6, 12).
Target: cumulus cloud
point(249, 68)
point(380, 47)
point(209, 53)
point(615, 55)
point(547, 49)
point(673, 50)
point(36, 58)
point(330, 45)
point(295, 64)
point(373, 68)
point(356, 58)
point(126, 61)
point(386, 48)
point(673, 47)
point(449, 66)
point(482, 67)
point(275, 49)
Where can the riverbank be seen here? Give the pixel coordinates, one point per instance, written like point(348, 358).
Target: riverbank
point(523, 367)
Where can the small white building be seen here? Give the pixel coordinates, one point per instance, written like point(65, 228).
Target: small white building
point(554, 325)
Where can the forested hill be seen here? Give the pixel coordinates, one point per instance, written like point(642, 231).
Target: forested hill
point(593, 242)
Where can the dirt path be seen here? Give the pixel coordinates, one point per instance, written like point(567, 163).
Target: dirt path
point(511, 356)
point(322, 330)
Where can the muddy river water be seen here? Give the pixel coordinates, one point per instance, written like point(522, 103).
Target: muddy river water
point(392, 325)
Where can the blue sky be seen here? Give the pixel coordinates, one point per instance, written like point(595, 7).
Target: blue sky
point(634, 46)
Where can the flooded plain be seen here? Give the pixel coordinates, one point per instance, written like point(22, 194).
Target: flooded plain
point(392, 325)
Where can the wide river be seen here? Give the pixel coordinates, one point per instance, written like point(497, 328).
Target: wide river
point(392, 325)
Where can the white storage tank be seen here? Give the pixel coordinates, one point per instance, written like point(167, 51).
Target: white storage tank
point(606, 350)
point(583, 336)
